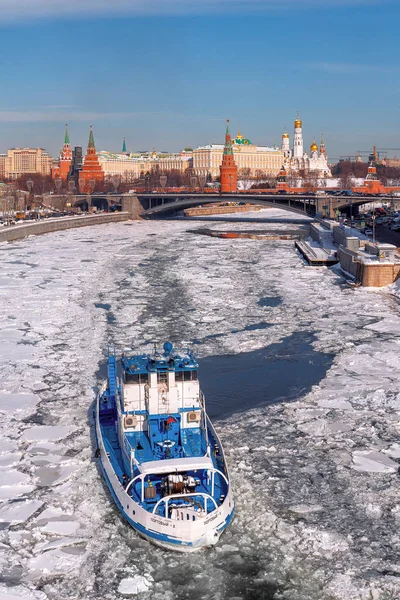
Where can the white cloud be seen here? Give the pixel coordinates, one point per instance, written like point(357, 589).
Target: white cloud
point(22, 10)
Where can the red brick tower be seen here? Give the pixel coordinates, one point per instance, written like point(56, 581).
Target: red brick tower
point(64, 164)
point(228, 168)
point(371, 182)
point(91, 169)
point(281, 180)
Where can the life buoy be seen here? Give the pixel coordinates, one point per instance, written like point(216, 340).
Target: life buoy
point(166, 444)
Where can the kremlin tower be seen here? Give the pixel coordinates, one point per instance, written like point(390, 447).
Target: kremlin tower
point(371, 182)
point(281, 180)
point(91, 169)
point(298, 139)
point(286, 144)
point(228, 168)
point(65, 160)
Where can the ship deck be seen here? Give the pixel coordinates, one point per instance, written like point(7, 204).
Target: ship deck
point(193, 446)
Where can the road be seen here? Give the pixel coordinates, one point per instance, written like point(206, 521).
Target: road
point(384, 235)
point(387, 236)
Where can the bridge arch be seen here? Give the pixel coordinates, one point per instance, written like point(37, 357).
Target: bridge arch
point(169, 205)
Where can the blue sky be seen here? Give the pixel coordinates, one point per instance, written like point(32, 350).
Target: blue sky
point(167, 73)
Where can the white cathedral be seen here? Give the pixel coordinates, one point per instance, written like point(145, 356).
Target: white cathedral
point(297, 160)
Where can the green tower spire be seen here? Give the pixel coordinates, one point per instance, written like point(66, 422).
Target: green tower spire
point(66, 137)
point(228, 141)
point(91, 138)
point(124, 147)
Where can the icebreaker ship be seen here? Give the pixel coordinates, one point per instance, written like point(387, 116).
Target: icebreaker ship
point(159, 452)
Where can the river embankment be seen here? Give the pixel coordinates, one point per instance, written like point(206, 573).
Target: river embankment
point(12, 233)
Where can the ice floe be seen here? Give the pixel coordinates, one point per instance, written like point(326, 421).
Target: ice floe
point(373, 462)
point(131, 586)
point(18, 403)
point(49, 432)
point(19, 511)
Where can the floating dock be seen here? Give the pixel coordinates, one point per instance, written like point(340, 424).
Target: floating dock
point(317, 257)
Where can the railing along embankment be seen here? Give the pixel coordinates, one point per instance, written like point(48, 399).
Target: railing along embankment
point(10, 233)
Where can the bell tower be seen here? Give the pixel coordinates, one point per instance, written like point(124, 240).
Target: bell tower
point(286, 144)
point(298, 139)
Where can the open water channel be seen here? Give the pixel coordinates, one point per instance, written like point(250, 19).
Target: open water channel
point(302, 379)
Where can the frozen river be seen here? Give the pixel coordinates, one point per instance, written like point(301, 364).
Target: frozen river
point(303, 386)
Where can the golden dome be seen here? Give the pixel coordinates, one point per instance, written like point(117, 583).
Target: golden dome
point(314, 147)
point(285, 135)
point(298, 123)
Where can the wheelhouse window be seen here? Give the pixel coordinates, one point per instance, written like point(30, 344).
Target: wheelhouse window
point(136, 378)
point(178, 375)
point(190, 375)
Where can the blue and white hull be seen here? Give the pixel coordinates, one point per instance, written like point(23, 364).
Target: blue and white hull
point(166, 471)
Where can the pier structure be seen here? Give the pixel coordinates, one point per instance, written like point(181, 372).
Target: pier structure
point(366, 263)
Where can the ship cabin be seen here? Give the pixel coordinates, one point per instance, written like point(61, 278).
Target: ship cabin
point(169, 451)
point(161, 407)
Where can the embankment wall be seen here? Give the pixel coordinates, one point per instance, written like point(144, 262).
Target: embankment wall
point(11, 233)
point(368, 274)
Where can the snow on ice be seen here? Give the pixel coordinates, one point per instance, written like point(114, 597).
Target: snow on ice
point(315, 473)
point(131, 586)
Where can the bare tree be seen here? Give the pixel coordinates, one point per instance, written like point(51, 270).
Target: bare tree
point(244, 175)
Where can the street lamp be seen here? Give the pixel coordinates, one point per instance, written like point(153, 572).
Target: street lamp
point(351, 213)
point(373, 227)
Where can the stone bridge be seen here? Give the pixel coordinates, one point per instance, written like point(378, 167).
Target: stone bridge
point(304, 204)
point(150, 204)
